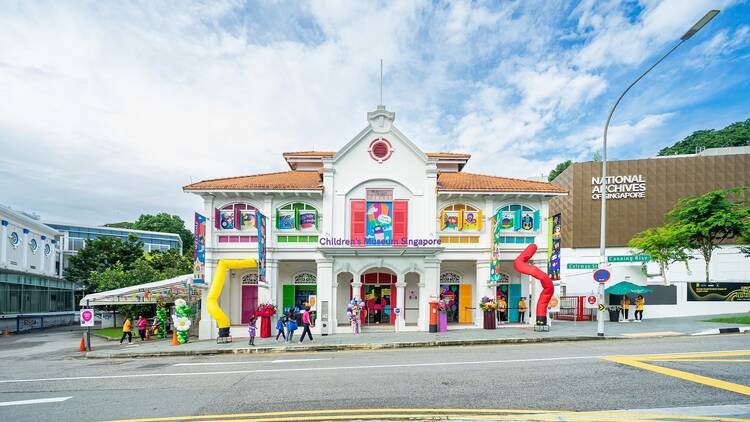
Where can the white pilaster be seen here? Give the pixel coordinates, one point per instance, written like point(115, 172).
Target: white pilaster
point(4, 243)
point(325, 291)
point(428, 291)
point(482, 289)
point(25, 251)
point(401, 301)
point(42, 256)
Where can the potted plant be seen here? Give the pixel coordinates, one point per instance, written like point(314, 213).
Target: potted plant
point(489, 307)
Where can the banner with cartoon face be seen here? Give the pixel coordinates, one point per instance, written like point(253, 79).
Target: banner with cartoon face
point(379, 222)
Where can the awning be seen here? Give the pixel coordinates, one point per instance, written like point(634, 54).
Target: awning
point(624, 288)
point(158, 291)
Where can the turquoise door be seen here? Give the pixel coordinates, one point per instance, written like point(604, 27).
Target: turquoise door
point(514, 295)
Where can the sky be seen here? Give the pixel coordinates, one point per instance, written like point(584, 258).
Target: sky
point(108, 108)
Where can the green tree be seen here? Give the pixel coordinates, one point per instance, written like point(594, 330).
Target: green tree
point(666, 245)
point(170, 263)
point(735, 135)
point(558, 169)
point(163, 222)
point(597, 157)
point(708, 220)
point(100, 255)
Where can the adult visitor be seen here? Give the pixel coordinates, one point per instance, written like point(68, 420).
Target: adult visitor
point(142, 324)
point(502, 308)
point(306, 321)
point(640, 302)
point(522, 310)
point(126, 331)
point(625, 302)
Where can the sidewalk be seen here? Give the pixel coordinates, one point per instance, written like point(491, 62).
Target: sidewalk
point(560, 331)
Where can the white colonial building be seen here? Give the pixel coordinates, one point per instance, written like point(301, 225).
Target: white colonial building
point(379, 220)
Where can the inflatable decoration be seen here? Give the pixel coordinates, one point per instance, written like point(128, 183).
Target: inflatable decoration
point(181, 320)
point(521, 264)
point(161, 318)
point(212, 300)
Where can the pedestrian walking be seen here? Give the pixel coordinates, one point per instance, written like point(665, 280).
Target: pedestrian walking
point(306, 321)
point(251, 330)
point(142, 324)
point(280, 327)
point(625, 302)
point(291, 325)
point(522, 310)
point(640, 302)
point(126, 331)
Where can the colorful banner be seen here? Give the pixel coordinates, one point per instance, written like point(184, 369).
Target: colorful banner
point(199, 249)
point(451, 220)
point(471, 220)
point(247, 220)
point(226, 219)
point(555, 247)
point(497, 225)
point(260, 220)
point(505, 219)
point(308, 220)
point(285, 220)
point(527, 220)
point(718, 292)
point(379, 223)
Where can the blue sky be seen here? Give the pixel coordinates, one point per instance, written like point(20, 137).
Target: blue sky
point(109, 108)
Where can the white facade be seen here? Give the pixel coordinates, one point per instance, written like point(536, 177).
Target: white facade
point(312, 260)
point(27, 245)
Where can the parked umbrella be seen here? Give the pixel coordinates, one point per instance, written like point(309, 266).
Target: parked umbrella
point(625, 287)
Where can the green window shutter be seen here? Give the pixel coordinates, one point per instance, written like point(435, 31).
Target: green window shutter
point(313, 239)
point(296, 219)
point(288, 297)
point(517, 220)
point(537, 219)
point(277, 218)
point(317, 217)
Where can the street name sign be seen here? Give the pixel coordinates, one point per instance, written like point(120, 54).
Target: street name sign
point(629, 258)
point(583, 266)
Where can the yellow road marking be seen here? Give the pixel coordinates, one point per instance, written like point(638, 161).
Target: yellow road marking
point(704, 360)
point(684, 355)
point(688, 376)
point(438, 414)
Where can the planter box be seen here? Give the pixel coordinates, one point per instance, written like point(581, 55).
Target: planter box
point(490, 321)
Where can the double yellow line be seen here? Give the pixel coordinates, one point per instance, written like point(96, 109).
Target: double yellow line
point(437, 414)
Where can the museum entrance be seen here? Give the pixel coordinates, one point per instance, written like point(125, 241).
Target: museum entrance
point(378, 292)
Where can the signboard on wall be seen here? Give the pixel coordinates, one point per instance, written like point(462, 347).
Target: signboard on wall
point(620, 187)
point(199, 249)
point(379, 228)
point(718, 292)
point(497, 225)
point(260, 220)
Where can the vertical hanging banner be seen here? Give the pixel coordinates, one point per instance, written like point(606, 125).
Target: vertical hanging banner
point(199, 249)
point(260, 221)
point(497, 225)
point(555, 247)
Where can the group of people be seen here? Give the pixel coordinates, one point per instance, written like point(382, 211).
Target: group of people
point(502, 309)
point(287, 324)
point(143, 328)
point(625, 304)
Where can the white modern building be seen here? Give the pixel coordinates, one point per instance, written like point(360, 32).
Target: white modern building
point(378, 220)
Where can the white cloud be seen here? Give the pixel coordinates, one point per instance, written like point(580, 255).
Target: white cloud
point(589, 140)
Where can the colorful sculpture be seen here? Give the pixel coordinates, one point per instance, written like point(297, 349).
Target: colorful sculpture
point(161, 318)
point(548, 289)
point(181, 320)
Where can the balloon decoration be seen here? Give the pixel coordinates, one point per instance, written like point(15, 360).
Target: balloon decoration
point(521, 264)
point(181, 320)
point(161, 317)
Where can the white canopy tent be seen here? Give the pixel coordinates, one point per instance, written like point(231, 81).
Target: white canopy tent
point(158, 291)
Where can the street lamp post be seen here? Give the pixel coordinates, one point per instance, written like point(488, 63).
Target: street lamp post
point(603, 228)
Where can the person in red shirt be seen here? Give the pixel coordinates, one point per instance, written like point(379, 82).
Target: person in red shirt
point(142, 324)
point(306, 324)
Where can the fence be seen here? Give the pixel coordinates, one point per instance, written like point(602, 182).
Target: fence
point(572, 309)
point(28, 322)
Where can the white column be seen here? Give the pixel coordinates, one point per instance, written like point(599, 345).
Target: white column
point(267, 292)
point(482, 289)
point(428, 290)
point(400, 301)
point(325, 291)
point(4, 243)
point(25, 252)
point(333, 309)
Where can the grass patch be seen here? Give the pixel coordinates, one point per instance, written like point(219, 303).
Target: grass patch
point(113, 333)
point(741, 319)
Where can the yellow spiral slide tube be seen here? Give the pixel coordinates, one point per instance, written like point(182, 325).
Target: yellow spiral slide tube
point(212, 301)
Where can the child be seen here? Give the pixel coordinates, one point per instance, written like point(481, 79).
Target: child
point(280, 328)
point(251, 331)
point(291, 325)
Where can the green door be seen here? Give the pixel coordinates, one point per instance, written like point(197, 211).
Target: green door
point(514, 295)
point(288, 298)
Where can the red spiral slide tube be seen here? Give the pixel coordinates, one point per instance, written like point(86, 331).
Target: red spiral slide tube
point(521, 264)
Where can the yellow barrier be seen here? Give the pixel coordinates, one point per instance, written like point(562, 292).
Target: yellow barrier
point(212, 301)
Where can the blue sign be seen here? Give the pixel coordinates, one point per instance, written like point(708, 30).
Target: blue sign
point(397, 311)
point(601, 275)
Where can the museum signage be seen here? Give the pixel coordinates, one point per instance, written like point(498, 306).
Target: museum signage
point(718, 292)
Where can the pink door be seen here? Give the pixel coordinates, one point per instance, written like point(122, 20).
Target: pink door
point(249, 302)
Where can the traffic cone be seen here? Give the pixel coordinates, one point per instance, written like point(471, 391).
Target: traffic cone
point(82, 347)
point(174, 338)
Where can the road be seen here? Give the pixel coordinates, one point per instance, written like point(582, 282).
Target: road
point(40, 383)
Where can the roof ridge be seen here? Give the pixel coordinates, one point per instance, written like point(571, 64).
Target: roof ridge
point(253, 175)
point(499, 177)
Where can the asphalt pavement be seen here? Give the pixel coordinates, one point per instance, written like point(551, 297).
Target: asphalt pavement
point(46, 381)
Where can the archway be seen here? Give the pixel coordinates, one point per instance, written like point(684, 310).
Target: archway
point(378, 291)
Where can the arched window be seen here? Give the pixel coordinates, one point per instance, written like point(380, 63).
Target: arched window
point(297, 216)
point(250, 279)
point(238, 216)
point(450, 278)
point(503, 278)
point(517, 217)
point(305, 278)
point(460, 217)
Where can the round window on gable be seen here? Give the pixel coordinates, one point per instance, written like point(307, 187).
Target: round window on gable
point(34, 246)
point(14, 239)
point(47, 250)
point(380, 150)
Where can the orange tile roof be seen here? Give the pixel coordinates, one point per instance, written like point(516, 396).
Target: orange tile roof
point(332, 153)
point(283, 180)
point(483, 183)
